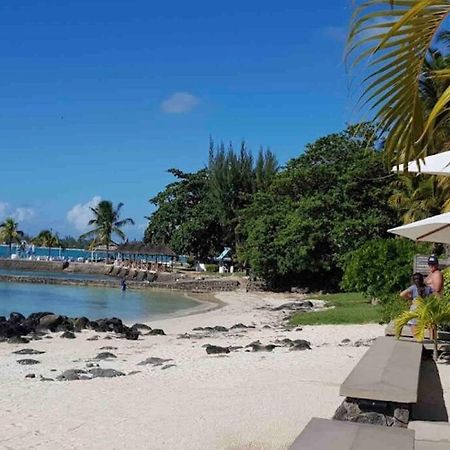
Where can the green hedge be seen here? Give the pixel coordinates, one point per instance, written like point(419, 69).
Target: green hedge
point(381, 267)
point(212, 267)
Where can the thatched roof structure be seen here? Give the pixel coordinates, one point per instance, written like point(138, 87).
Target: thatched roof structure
point(139, 248)
point(102, 248)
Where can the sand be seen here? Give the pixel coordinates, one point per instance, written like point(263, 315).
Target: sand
point(243, 400)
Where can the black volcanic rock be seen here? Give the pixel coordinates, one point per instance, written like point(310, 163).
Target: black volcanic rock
point(28, 351)
point(68, 335)
point(216, 350)
point(156, 332)
point(27, 362)
point(18, 340)
point(105, 355)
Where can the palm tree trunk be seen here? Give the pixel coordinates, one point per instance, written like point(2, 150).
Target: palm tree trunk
point(10, 249)
point(107, 253)
point(49, 251)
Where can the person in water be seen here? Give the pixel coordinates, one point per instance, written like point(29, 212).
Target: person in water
point(123, 285)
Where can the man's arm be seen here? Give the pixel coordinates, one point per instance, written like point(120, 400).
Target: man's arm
point(406, 294)
point(438, 282)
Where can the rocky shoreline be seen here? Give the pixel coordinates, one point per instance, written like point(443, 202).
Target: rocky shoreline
point(230, 378)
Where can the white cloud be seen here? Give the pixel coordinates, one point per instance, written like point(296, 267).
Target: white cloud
point(179, 102)
point(20, 213)
point(81, 213)
point(3, 209)
point(23, 213)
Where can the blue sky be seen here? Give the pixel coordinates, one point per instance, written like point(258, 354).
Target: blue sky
point(99, 97)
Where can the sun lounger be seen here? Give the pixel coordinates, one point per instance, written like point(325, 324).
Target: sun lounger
point(141, 276)
point(115, 271)
point(133, 274)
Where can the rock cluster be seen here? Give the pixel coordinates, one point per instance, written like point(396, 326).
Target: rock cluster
point(375, 413)
point(18, 329)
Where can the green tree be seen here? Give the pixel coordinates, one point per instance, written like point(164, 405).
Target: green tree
point(233, 179)
point(10, 233)
point(419, 197)
point(106, 223)
point(200, 212)
point(393, 39)
point(324, 204)
point(183, 219)
point(381, 267)
point(46, 238)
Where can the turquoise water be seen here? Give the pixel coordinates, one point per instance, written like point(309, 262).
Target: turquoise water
point(94, 303)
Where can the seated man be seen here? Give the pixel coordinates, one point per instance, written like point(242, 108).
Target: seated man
point(435, 280)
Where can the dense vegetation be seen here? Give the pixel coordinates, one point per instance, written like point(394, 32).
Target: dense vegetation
point(290, 226)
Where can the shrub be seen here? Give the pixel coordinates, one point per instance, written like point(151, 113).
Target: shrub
point(212, 267)
point(392, 306)
point(381, 267)
point(190, 261)
point(446, 275)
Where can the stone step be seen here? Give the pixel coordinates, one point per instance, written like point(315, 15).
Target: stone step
point(324, 434)
point(431, 435)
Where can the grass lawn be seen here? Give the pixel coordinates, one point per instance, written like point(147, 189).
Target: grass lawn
point(348, 308)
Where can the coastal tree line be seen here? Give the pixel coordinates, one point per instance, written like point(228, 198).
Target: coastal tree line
point(313, 219)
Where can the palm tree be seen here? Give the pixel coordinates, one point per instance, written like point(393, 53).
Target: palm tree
point(106, 223)
point(429, 314)
point(394, 37)
point(9, 232)
point(46, 238)
point(417, 198)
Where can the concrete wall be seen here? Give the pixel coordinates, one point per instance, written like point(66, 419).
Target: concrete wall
point(190, 286)
point(23, 264)
point(52, 266)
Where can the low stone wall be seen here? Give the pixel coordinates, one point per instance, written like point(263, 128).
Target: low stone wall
point(25, 264)
point(52, 266)
point(190, 286)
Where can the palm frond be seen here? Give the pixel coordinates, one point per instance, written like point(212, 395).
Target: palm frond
point(403, 320)
point(395, 48)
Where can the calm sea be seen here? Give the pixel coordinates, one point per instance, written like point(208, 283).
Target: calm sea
point(73, 253)
point(92, 302)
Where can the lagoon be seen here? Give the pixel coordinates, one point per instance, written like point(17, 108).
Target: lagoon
point(92, 302)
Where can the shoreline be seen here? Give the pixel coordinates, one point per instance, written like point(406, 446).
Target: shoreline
point(189, 285)
point(175, 395)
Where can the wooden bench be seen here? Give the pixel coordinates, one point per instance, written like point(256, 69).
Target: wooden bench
point(323, 434)
point(389, 371)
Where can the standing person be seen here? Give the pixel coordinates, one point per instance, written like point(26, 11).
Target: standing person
point(417, 290)
point(435, 280)
point(123, 285)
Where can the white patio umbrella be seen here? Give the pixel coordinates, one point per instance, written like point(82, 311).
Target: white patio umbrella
point(433, 229)
point(438, 164)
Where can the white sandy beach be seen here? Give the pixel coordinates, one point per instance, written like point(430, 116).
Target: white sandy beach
point(243, 400)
